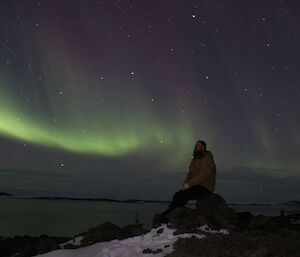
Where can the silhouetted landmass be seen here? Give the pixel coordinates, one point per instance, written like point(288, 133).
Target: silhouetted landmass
point(289, 203)
point(96, 199)
point(292, 203)
point(5, 194)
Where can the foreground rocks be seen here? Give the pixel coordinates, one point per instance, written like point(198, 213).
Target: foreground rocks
point(241, 244)
point(26, 246)
point(213, 211)
point(249, 235)
point(109, 231)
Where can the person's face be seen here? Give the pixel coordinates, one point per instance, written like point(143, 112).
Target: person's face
point(199, 147)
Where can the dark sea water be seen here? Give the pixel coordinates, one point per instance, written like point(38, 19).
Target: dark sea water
point(68, 217)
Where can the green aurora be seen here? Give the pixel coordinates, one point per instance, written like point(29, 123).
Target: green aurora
point(100, 138)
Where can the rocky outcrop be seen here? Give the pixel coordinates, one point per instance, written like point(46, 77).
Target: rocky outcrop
point(5, 194)
point(25, 246)
point(249, 235)
point(213, 211)
point(217, 213)
point(254, 243)
point(108, 231)
point(104, 232)
point(134, 230)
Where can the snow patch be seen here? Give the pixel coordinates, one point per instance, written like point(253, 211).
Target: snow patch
point(75, 241)
point(156, 243)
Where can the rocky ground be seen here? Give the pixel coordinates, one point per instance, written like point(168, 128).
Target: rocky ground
point(249, 235)
point(285, 243)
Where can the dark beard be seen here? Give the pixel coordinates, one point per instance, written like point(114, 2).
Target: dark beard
point(196, 153)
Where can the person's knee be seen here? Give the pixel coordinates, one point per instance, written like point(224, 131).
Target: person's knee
point(179, 195)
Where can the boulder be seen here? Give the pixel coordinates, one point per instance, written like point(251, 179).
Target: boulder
point(23, 246)
point(183, 217)
point(211, 210)
point(134, 230)
point(261, 252)
point(217, 212)
point(105, 232)
point(108, 231)
point(261, 222)
point(244, 219)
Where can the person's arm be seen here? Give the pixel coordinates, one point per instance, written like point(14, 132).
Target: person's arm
point(206, 169)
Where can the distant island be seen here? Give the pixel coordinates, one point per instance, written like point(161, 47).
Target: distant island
point(5, 194)
point(292, 203)
point(96, 199)
point(288, 203)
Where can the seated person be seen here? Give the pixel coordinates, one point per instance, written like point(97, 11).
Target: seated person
point(199, 182)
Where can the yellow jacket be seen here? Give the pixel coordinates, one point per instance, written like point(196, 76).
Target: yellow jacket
point(202, 170)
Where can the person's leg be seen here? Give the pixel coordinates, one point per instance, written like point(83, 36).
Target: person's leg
point(198, 191)
point(181, 197)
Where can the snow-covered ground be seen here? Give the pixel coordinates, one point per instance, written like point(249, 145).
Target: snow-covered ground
point(158, 238)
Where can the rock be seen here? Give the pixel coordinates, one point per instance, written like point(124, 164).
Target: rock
point(217, 212)
point(282, 221)
point(161, 230)
point(148, 250)
point(71, 246)
point(23, 246)
point(184, 230)
point(158, 220)
point(105, 232)
point(262, 252)
point(134, 230)
point(211, 210)
point(244, 219)
point(262, 222)
point(183, 217)
point(248, 243)
point(108, 231)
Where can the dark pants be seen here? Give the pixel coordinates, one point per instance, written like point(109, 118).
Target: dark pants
point(181, 197)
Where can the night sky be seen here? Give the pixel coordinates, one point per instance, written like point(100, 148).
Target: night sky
point(107, 98)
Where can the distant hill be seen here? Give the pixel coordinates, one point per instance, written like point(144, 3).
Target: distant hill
point(4, 193)
point(292, 203)
point(96, 199)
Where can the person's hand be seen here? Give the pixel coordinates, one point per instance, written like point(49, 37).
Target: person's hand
point(185, 186)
